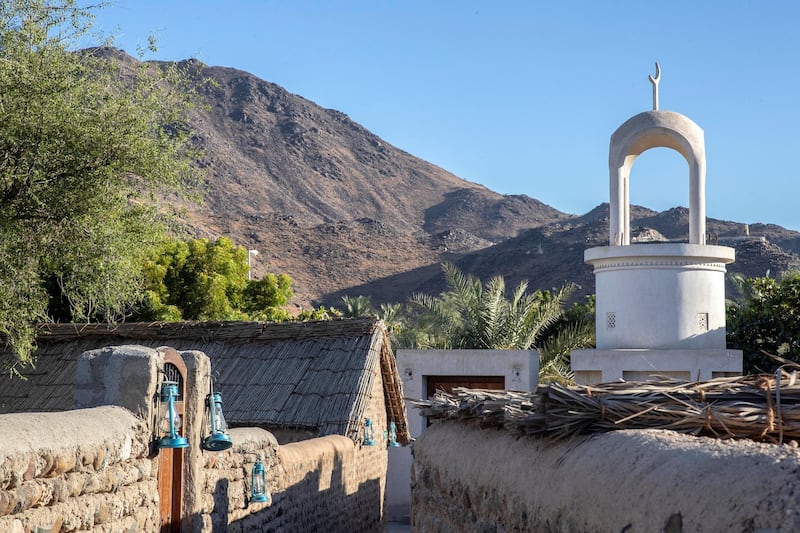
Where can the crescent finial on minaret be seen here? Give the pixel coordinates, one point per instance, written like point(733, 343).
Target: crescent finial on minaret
point(655, 81)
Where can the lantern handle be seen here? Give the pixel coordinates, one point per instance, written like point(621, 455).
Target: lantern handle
point(211, 376)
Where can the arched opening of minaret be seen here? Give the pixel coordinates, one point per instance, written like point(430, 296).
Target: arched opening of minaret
point(658, 181)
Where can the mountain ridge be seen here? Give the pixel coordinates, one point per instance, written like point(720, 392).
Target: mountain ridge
point(344, 212)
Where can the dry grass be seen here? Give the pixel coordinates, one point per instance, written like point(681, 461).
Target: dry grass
point(760, 407)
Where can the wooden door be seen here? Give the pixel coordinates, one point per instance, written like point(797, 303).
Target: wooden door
point(170, 460)
point(448, 383)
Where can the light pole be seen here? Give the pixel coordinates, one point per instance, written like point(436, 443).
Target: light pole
point(250, 254)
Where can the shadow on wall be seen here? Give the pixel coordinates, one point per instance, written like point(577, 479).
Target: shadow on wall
point(312, 504)
point(219, 515)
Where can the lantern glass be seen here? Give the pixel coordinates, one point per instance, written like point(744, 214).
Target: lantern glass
point(218, 439)
point(169, 424)
point(220, 426)
point(258, 483)
point(369, 435)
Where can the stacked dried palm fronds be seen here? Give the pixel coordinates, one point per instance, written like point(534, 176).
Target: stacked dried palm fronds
point(760, 407)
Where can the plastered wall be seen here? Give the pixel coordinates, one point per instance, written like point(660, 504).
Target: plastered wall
point(467, 479)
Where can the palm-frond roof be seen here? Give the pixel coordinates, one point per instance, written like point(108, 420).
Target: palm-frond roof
point(313, 375)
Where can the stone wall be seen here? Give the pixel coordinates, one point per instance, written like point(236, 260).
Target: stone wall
point(85, 470)
point(226, 487)
point(92, 469)
point(466, 479)
point(100, 477)
point(331, 484)
point(324, 484)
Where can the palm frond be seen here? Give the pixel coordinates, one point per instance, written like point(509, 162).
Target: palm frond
point(547, 312)
point(472, 315)
point(492, 312)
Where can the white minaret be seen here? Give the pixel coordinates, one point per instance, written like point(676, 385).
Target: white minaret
point(660, 306)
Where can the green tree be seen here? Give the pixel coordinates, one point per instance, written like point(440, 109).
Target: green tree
point(270, 291)
point(473, 315)
point(85, 146)
point(764, 319)
point(214, 277)
point(207, 280)
point(391, 314)
point(573, 331)
point(265, 298)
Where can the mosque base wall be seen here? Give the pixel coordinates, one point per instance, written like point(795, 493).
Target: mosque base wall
point(602, 366)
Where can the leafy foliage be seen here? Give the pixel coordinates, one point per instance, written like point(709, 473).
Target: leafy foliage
point(207, 280)
point(470, 315)
point(573, 331)
point(320, 313)
point(264, 298)
point(392, 315)
point(84, 147)
point(764, 320)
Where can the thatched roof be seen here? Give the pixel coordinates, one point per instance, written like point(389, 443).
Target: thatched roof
point(310, 375)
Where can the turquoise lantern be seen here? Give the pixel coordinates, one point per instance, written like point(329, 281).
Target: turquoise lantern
point(169, 421)
point(369, 435)
point(218, 438)
point(393, 435)
point(258, 483)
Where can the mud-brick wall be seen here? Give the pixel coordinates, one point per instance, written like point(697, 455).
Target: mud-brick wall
point(83, 470)
point(320, 484)
point(332, 484)
point(329, 484)
point(226, 488)
point(325, 484)
point(467, 479)
point(89, 470)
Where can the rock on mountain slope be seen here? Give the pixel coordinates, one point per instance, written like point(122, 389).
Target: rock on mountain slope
point(325, 200)
point(344, 212)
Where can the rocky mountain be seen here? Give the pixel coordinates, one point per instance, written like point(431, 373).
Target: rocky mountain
point(346, 213)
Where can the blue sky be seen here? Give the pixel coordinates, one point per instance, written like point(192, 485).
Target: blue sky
point(523, 96)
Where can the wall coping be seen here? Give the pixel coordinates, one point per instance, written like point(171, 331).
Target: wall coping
point(30, 432)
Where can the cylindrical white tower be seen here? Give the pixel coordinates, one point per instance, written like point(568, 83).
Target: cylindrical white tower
point(660, 296)
point(660, 307)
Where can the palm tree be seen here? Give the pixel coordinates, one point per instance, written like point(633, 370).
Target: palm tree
point(471, 315)
point(358, 306)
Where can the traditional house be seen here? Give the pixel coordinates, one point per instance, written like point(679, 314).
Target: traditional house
point(298, 381)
